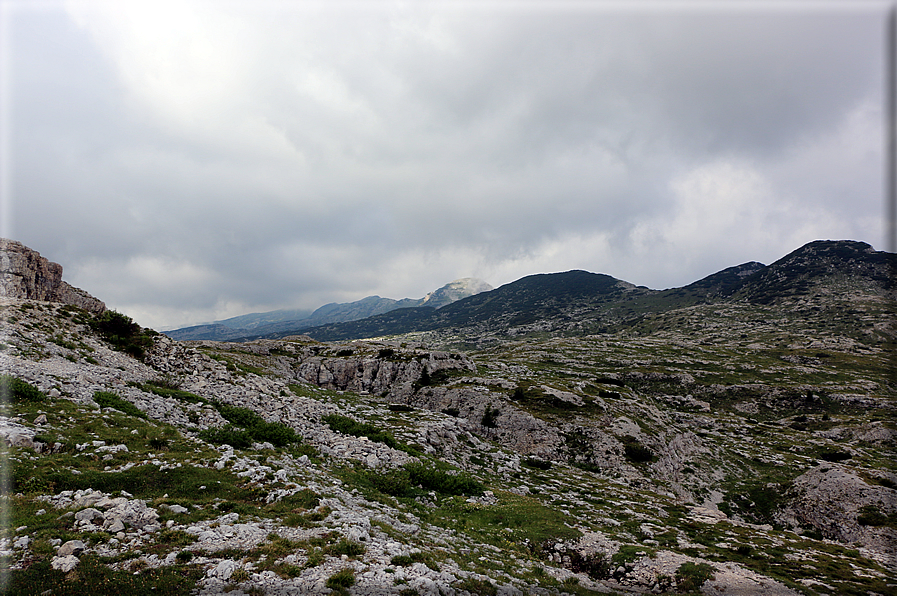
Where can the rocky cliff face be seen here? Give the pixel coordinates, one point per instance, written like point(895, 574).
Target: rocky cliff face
point(25, 274)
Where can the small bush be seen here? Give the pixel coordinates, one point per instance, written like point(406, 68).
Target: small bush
point(346, 547)
point(227, 435)
point(341, 580)
point(835, 456)
point(105, 399)
point(400, 408)
point(537, 464)
point(401, 561)
point(124, 334)
point(635, 451)
point(303, 499)
point(454, 412)
point(691, 576)
point(13, 390)
point(490, 417)
point(349, 426)
point(596, 565)
point(256, 429)
point(175, 538)
point(870, 515)
point(185, 556)
point(395, 482)
point(239, 575)
point(481, 587)
point(441, 481)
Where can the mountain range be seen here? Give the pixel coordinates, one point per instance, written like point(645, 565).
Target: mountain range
point(288, 322)
point(580, 302)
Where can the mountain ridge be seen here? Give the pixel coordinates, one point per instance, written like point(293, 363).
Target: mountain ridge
point(594, 302)
point(280, 321)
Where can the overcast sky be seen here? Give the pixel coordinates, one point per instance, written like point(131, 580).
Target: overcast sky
point(193, 161)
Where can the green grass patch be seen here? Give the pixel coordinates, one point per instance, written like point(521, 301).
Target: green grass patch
point(105, 399)
point(92, 578)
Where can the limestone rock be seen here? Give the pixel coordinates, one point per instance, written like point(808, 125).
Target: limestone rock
point(15, 434)
point(72, 547)
point(26, 275)
point(64, 564)
point(831, 498)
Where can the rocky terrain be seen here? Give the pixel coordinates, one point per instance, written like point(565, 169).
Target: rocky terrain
point(744, 447)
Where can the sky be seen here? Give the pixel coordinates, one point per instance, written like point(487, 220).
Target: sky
point(192, 161)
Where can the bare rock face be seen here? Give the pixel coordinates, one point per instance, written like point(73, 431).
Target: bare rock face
point(25, 274)
point(833, 499)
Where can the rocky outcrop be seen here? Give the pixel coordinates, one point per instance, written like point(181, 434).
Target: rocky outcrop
point(25, 274)
point(834, 500)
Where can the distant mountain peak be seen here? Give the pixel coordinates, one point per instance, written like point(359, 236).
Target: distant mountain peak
point(454, 291)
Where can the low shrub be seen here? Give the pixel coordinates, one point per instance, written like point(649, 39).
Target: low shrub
point(240, 416)
point(303, 499)
point(691, 576)
point(400, 408)
point(123, 333)
point(184, 556)
point(441, 481)
point(635, 451)
point(835, 456)
point(246, 427)
point(93, 578)
point(346, 547)
point(871, 515)
point(490, 417)
point(15, 390)
point(349, 426)
point(341, 580)
point(105, 399)
point(395, 482)
point(481, 587)
point(164, 389)
point(227, 435)
point(537, 464)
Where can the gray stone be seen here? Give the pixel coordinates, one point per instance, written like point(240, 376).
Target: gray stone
point(89, 515)
point(224, 570)
point(64, 564)
point(72, 547)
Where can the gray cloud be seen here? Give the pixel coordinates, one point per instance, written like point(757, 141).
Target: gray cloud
point(187, 162)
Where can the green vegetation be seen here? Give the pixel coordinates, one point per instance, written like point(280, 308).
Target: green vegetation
point(636, 452)
point(14, 390)
point(341, 580)
point(93, 578)
point(691, 576)
point(105, 399)
point(349, 426)
point(123, 333)
point(247, 427)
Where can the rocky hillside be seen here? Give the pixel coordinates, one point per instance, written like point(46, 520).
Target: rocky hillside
point(737, 448)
